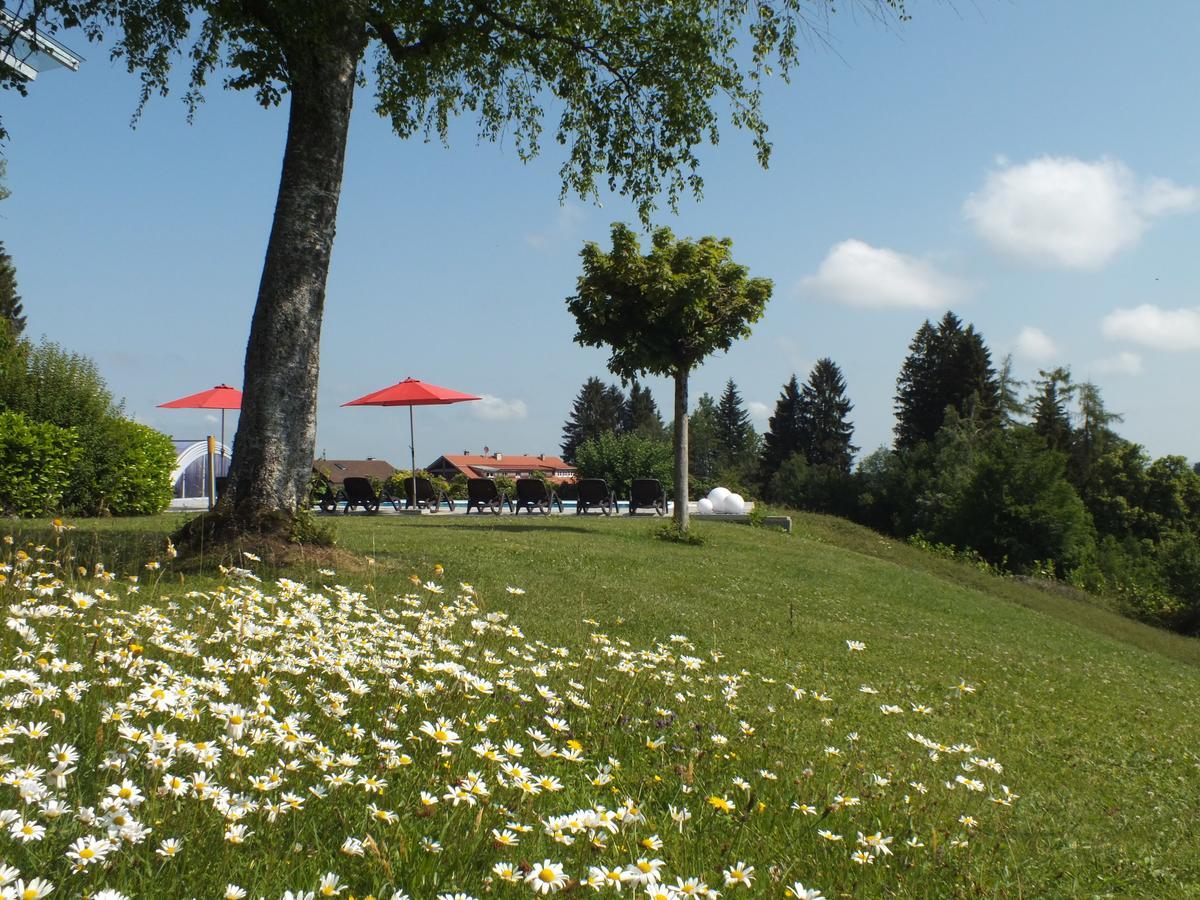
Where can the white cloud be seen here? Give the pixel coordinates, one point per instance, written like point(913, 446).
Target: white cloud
point(855, 273)
point(759, 412)
point(1062, 211)
point(494, 409)
point(1153, 326)
point(1035, 344)
point(1123, 363)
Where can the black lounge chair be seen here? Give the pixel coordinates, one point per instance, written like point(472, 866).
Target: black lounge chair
point(482, 492)
point(329, 500)
point(534, 493)
point(358, 491)
point(647, 493)
point(595, 492)
point(428, 497)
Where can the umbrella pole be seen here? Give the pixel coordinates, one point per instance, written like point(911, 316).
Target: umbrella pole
point(412, 449)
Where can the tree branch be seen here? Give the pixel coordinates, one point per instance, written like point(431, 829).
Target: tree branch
point(581, 47)
point(435, 34)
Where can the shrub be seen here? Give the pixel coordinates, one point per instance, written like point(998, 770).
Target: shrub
point(125, 470)
point(619, 459)
point(399, 483)
point(36, 462)
point(59, 387)
point(825, 489)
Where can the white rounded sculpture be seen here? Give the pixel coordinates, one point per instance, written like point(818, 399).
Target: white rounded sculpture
point(717, 498)
point(734, 505)
point(704, 506)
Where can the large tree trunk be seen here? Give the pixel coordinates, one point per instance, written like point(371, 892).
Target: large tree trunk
point(273, 448)
point(681, 449)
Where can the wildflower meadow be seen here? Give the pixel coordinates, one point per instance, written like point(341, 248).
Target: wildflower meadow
point(247, 734)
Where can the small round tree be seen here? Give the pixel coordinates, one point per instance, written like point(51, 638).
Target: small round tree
point(664, 313)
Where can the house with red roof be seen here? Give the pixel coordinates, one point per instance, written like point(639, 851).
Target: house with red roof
point(478, 465)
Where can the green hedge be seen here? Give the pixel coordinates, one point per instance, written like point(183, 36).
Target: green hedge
point(133, 469)
point(619, 459)
point(36, 464)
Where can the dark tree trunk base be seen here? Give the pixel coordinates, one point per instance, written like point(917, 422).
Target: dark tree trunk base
point(278, 538)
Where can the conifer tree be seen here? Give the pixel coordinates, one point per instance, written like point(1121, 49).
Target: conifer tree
point(824, 407)
point(640, 414)
point(948, 367)
point(1049, 404)
point(735, 435)
point(597, 409)
point(11, 311)
point(784, 435)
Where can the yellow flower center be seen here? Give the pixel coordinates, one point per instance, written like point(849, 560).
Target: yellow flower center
point(547, 875)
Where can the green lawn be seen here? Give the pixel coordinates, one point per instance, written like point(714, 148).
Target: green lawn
point(1094, 719)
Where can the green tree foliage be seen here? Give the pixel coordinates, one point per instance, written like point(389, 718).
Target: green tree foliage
point(817, 488)
point(664, 313)
point(61, 387)
point(620, 458)
point(704, 446)
point(598, 408)
point(947, 367)
point(1051, 421)
point(36, 463)
point(640, 414)
point(785, 434)
point(1091, 439)
point(737, 439)
point(824, 408)
point(11, 310)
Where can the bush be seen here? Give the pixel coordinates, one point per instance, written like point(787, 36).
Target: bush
point(824, 489)
point(619, 459)
point(36, 462)
point(124, 469)
point(399, 483)
point(56, 386)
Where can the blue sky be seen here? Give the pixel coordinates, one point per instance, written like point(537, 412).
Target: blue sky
point(1033, 166)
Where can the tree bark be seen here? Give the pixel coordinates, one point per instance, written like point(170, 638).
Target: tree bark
point(681, 449)
point(276, 435)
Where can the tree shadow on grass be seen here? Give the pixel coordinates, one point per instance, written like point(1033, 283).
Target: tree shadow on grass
point(510, 525)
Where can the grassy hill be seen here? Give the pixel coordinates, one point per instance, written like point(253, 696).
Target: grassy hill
point(1094, 719)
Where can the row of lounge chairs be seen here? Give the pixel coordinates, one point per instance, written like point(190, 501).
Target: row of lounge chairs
point(484, 495)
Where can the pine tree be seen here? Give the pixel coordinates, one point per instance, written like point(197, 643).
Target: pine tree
point(917, 415)
point(947, 367)
point(597, 409)
point(735, 435)
point(784, 434)
point(640, 414)
point(1049, 404)
point(10, 302)
point(824, 407)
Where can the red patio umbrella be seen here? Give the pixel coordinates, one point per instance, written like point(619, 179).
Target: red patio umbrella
point(221, 397)
point(412, 392)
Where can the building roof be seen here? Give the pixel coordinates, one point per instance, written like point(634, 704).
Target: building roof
point(28, 51)
point(337, 470)
point(476, 465)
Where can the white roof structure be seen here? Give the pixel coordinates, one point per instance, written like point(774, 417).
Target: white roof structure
point(29, 51)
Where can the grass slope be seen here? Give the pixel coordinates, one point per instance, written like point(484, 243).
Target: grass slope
point(1096, 719)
